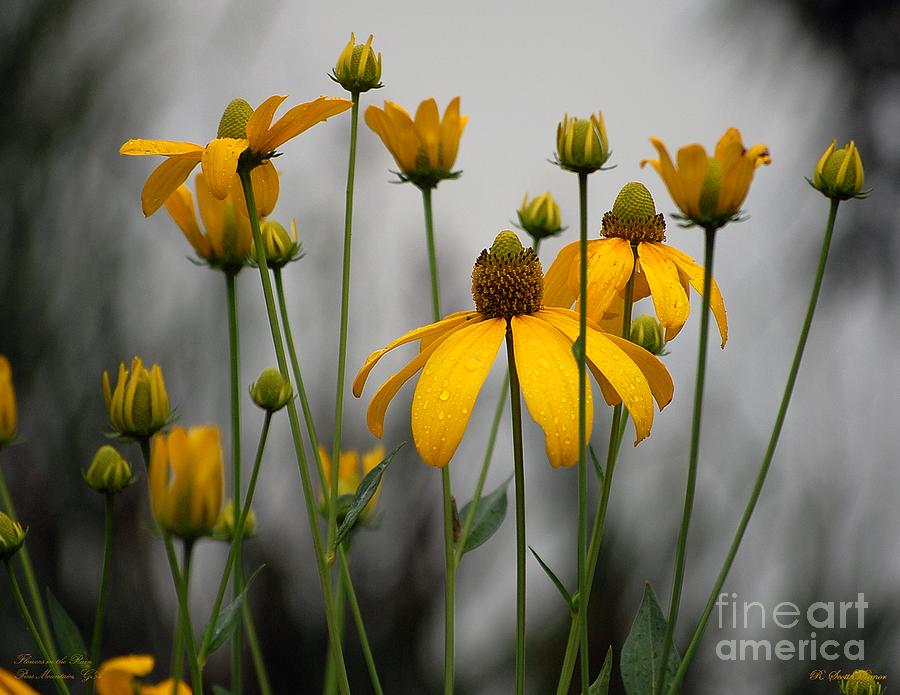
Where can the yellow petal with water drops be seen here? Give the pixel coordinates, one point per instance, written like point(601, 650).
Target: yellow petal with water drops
point(669, 299)
point(215, 215)
point(661, 385)
point(428, 128)
point(166, 148)
point(260, 120)
point(416, 334)
point(693, 165)
point(451, 130)
point(558, 290)
point(219, 162)
point(666, 170)
point(266, 188)
point(694, 273)
point(610, 360)
point(428, 340)
point(548, 374)
point(386, 392)
point(448, 387)
point(165, 179)
point(301, 118)
point(10, 685)
point(610, 263)
point(180, 205)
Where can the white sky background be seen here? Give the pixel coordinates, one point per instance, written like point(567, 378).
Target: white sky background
point(681, 71)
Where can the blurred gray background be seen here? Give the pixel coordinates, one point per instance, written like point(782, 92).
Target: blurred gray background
point(86, 281)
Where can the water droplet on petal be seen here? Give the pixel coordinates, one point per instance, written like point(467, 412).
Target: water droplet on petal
point(445, 394)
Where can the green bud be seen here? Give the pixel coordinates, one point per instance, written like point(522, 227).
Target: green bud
point(11, 537)
point(281, 247)
point(358, 67)
point(861, 683)
point(224, 528)
point(839, 172)
point(647, 332)
point(540, 217)
point(581, 143)
point(233, 123)
point(506, 245)
point(109, 472)
point(271, 391)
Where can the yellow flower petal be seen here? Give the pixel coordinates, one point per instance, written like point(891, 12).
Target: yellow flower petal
point(266, 188)
point(451, 130)
point(165, 179)
point(180, 205)
point(613, 363)
point(610, 264)
point(669, 298)
point(260, 120)
point(115, 675)
point(214, 213)
point(694, 273)
point(448, 387)
point(548, 374)
point(693, 165)
point(558, 291)
point(431, 329)
point(167, 148)
point(661, 385)
point(219, 162)
point(10, 685)
point(167, 687)
point(666, 170)
point(428, 128)
point(300, 118)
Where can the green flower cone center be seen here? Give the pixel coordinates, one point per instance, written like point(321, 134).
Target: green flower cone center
point(369, 75)
point(142, 407)
point(634, 202)
point(633, 216)
point(233, 123)
point(709, 192)
point(507, 280)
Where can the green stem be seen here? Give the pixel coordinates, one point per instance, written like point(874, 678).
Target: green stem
point(52, 663)
point(235, 378)
point(104, 586)
point(186, 626)
point(357, 618)
point(616, 432)
point(519, 468)
point(767, 458)
point(446, 487)
point(329, 686)
point(681, 547)
point(582, 434)
point(31, 585)
point(256, 654)
point(238, 531)
point(308, 495)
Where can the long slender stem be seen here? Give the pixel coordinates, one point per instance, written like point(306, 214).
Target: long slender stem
point(515, 402)
point(187, 627)
point(767, 458)
point(235, 379)
point(330, 684)
point(616, 432)
point(256, 655)
point(308, 495)
point(32, 628)
point(31, 585)
point(446, 487)
point(681, 547)
point(104, 585)
point(582, 434)
point(357, 618)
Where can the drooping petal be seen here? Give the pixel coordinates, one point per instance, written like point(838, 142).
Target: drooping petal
point(558, 291)
point(115, 675)
point(610, 360)
point(548, 374)
point(386, 392)
point(165, 179)
point(266, 188)
point(215, 215)
point(448, 387)
point(180, 205)
point(428, 128)
point(694, 273)
point(300, 118)
point(661, 385)
point(416, 334)
point(669, 298)
point(398, 137)
point(451, 131)
point(693, 165)
point(610, 264)
point(167, 148)
point(219, 162)
point(260, 120)
point(428, 340)
point(666, 170)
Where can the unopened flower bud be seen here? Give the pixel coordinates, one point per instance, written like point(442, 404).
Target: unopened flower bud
point(226, 524)
point(271, 391)
point(861, 683)
point(839, 172)
point(581, 143)
point(8, 412)
point(540, 217)
point(139, 405)
point(358, 68)
point(647, 332)
point(109, 472)
point(11, 536)
point(280, 246)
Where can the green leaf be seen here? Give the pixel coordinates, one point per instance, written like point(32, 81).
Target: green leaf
point(641, 652)
point(229, 616)
point(66, 632)
point(219, 690)
point(596, 462)
point(489, 515)
point(364, 493)
point(601, 685)
point(570, 602)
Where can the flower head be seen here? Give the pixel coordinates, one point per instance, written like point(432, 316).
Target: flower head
point(8, 410)
point(186, 480)
point(540, 216)
point(634, 235)
point(243, 132)
point(709, 191)
point(839, 172)
point(358, 68)
point(139, 405)
point(647, 332)
point(861, 682)
point(281, 247)
point(228, 240)
point(271, 391)
point(121, 676)
point(581, 143)
point(351, 469)
point(12, 536)
point(424, 149)
point(457, 352)
point(108, 473)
